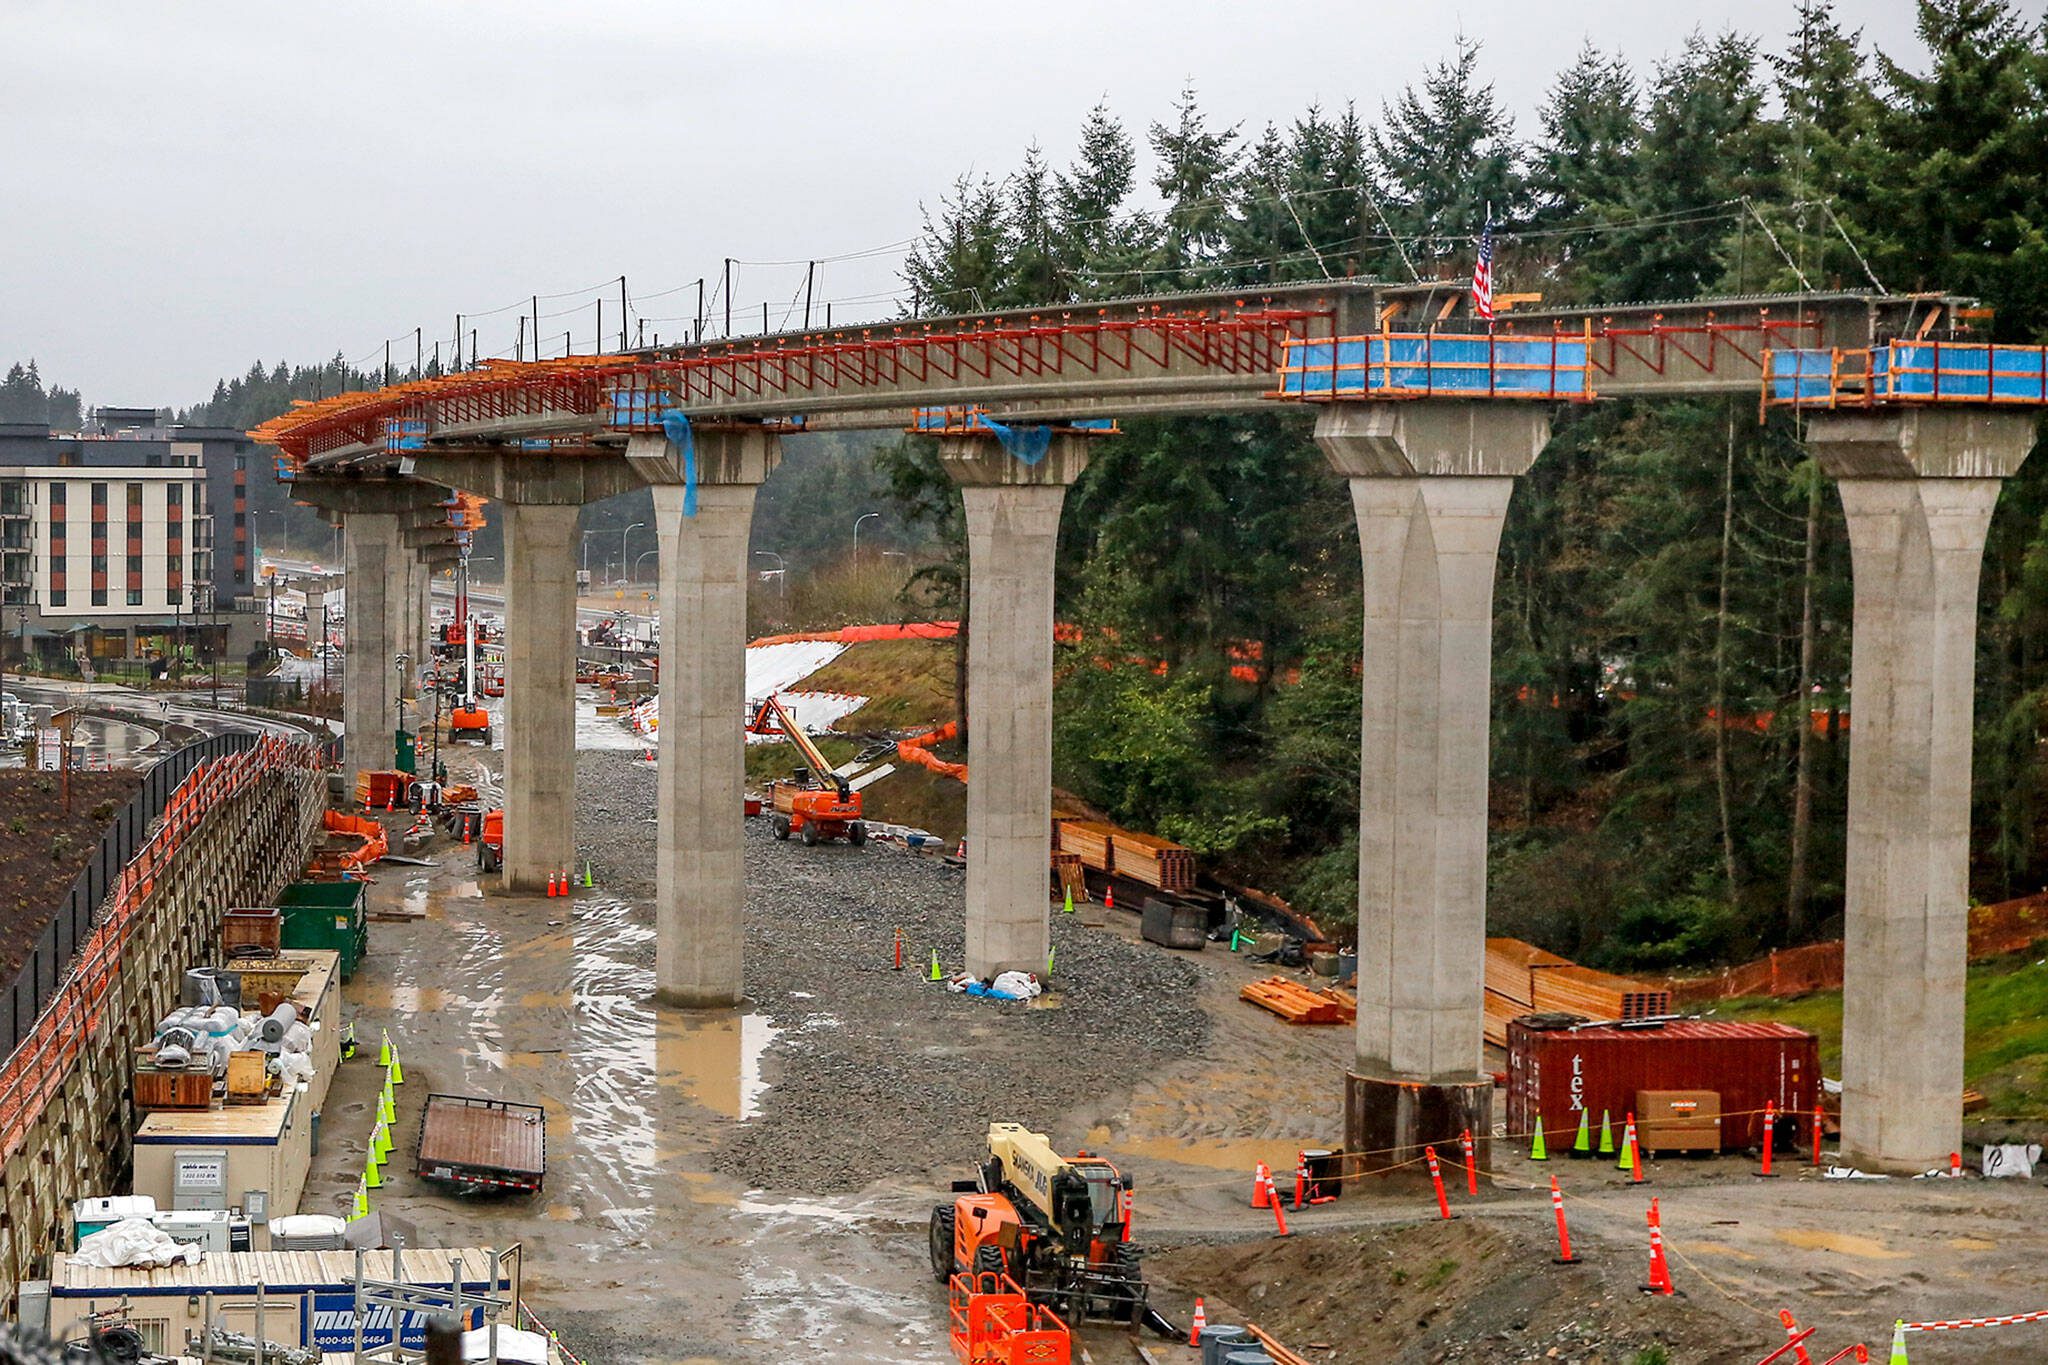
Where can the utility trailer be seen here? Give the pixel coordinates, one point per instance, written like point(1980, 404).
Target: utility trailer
point(482, 1145)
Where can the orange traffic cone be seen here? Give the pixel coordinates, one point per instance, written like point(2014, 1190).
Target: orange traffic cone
point(551, 886)
point(1201, 1321)
point(1259, 1195)
point(568, 883)
point(1109, 898)
point(465, 829)
point(1660, 1271)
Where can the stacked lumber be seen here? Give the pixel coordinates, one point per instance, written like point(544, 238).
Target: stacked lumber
point(1597, 995)
point(1155, 862)
point(1524, 979)
point(1299, 1004)
point(1089, 841)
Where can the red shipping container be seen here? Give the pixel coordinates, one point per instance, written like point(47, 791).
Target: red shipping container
point(1564, 1072)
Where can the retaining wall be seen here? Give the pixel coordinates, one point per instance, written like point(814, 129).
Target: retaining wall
point(235, 819)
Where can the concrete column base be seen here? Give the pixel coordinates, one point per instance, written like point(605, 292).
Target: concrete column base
point(1388, 1121)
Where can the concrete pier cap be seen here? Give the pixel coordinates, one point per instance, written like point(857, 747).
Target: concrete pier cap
point(700, 862)
point(1430, 482)
point(1918, 488)
point(1013, 525)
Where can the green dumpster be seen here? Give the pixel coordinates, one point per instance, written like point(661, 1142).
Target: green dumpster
point(329, 915)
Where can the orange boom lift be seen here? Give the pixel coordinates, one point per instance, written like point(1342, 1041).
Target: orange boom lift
point(817, 803)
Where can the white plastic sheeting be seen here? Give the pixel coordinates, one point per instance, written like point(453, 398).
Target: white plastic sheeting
point(133, 1242)
point(770, 669)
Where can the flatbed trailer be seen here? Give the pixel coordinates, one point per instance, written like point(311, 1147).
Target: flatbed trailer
point(480, 1145)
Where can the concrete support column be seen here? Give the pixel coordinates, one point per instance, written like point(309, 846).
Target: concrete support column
point(1430, 483)
point(540, 692)
point(1013, 524)
point(411, 631)
point(371, 553)
point(1918, 489)
point(700, 873)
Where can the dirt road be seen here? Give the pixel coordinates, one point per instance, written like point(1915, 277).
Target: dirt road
point(753, 1186)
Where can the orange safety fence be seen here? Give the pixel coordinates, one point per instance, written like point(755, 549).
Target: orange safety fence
point(53, 1044)
point(1995, 930)
point(861, 635)
point(918, 749)
point(374, 846)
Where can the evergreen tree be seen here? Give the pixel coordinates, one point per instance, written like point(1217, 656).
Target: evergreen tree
point(1035, 272)
point(1194, 172)
point(1583, 171)
point(1102, 244)
point(961, 262)
point(1445, 158)
point(1962, 198)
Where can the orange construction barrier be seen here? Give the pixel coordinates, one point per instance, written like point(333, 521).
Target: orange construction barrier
point(917, 749)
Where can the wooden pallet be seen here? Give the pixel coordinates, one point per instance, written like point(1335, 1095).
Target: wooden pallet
point(1088, 841)
point(1299, 1004)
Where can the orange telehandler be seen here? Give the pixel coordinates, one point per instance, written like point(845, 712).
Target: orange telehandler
point(816, 803)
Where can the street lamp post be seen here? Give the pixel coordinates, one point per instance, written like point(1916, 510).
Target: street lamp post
point(622, 543)
point(637, 560)
point(856, 530)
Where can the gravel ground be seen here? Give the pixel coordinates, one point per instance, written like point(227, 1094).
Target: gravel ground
point(911, 1073)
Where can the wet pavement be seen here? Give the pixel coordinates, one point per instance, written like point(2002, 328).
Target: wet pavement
point(548, 1001)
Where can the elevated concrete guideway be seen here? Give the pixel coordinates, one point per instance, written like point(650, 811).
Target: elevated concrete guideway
point(1213, 351)
point(1431, 474)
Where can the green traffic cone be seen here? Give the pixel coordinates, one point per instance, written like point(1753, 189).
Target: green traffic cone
point(359, 1205)
point(1049, 952)
point(1899, 1344)
point(1582, 1145)
point(586, 873)
point(1068, 909)
point(384, 1051)
point(1537, 1151)
point(1625, 1160)
point(936, 976)
point(1606, 1135)
point(371, 1180)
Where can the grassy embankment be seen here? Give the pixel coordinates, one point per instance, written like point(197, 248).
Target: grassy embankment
point(2005, 1045)
point(908, 684)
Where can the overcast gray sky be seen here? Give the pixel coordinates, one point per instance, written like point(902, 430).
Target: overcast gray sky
point(187, 187)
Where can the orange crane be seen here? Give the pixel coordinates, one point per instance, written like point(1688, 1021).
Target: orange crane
point(816, 803)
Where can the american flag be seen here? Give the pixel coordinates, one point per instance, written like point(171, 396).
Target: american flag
point(1482, 275)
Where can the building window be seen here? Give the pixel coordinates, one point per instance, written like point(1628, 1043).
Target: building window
point(174, 495)
point(134, 597)
point(99, 597)
point(58, 596)
point(99, 563)
point(99, 495)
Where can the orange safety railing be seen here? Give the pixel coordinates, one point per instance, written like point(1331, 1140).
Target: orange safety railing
point(1906, 372)
point(993, 1323)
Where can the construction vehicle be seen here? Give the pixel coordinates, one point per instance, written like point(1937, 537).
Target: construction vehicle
point(490, 841)
point(1058, 1227)
point(468, 720)
point(816, 803)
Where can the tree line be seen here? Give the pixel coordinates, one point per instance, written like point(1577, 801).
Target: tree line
point(1663, 564)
